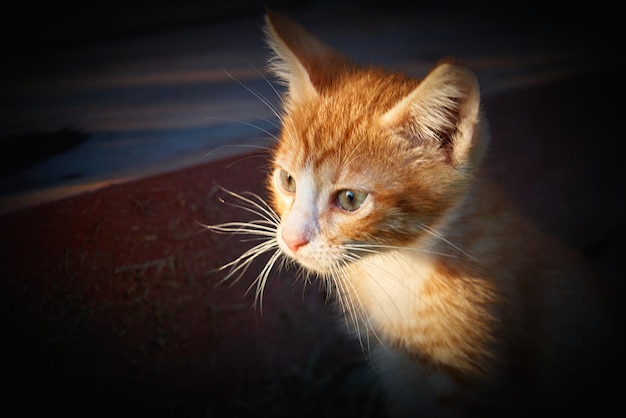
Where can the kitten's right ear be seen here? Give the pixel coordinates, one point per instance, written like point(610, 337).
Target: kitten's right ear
point(443, 113)
point(303, 63)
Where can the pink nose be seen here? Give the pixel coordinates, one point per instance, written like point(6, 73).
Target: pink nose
point(294, 241)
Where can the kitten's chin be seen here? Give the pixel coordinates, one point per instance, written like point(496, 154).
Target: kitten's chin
point(311, 265)
point(319, 261)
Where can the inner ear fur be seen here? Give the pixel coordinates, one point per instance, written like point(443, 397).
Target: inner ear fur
point(443, 111)
point(307, 66)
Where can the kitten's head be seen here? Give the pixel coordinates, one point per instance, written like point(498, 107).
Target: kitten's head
point(365, 157)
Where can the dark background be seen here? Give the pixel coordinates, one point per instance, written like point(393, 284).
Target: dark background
point(30, 27)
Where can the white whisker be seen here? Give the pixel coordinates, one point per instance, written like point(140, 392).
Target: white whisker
point(242, 263)
point(256, 94)
point(440, 236)
point(266, 120)
point(377, 249)
point(269, 83)
point(263, 230)
point(222, 147)
point(245, 123)
point(253, 227)
point(261, 280)
point(355, 308)
point(260, 208)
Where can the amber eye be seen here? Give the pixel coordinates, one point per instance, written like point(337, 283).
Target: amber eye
point(287, 181)
point(350, 200)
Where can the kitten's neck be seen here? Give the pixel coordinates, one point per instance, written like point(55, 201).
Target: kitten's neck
point(467, 235)
point(427, 295)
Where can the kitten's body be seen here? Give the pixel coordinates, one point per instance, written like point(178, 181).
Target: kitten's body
point(380, 190)
point(518, 327)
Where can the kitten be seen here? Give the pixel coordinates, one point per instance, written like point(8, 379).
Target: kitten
point(378, 188)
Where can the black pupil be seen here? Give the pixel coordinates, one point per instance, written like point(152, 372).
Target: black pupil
point(350, 196)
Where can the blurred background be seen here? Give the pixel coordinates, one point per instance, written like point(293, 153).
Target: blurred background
point(114, 90)
point(119, 120)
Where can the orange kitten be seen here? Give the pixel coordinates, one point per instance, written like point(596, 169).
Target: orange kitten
point(378, 188)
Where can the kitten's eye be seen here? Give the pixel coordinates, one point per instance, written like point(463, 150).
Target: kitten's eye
point(350, 200)
point(287, 181)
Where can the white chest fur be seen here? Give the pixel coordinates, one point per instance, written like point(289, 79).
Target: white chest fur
point(389, 287)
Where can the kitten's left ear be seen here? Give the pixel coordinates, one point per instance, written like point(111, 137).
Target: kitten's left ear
point(305, 65)
point(443, 112)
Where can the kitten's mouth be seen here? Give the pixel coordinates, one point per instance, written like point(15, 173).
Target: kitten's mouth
point(320, 261)
point(310, 264)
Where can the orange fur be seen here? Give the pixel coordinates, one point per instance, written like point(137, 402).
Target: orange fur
point(435, 263)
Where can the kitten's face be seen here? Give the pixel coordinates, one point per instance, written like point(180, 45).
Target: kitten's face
point(366, 159)
point(343, 179)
